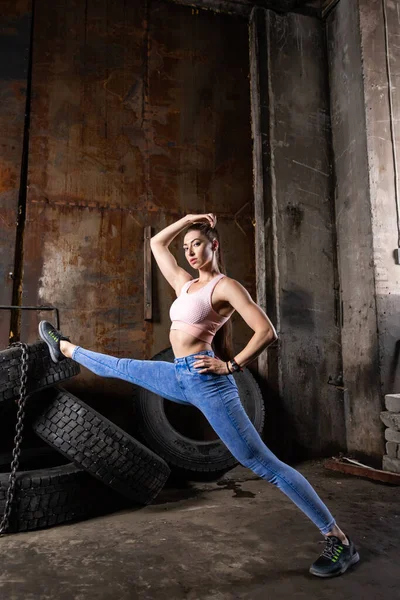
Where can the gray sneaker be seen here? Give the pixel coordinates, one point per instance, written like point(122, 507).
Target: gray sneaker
point(336, 558)
point(52, 337)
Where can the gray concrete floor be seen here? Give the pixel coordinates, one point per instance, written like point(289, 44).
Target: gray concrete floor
point(233, 539)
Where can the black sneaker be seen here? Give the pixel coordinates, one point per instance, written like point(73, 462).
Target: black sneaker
point(336, 558)
point(52, 337)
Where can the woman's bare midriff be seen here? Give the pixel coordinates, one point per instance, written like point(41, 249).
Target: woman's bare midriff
point(184, 344)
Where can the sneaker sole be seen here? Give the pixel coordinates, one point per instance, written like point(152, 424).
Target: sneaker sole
point(42, 335)
point(354, 559)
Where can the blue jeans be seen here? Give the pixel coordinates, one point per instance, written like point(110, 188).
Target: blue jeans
point(217, 397)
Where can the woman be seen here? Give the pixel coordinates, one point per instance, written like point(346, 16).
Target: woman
point(198, 377)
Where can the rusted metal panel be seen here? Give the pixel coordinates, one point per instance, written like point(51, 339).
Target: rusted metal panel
point(86, 263)
point(199, 133)
point(87, 141)
point(89, 264)
point(199, 111)
point(86, 200)
point(15, 24)
point(139, 115)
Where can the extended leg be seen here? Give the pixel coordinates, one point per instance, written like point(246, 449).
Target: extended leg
point(231, 423)
point(156, 376)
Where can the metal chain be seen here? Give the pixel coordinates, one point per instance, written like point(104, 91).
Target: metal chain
point(18, 437)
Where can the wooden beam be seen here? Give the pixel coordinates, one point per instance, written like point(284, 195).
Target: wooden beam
point(244, 7)
point(241, 8)
point(265, 209)
point(259, 124)
point(335, 464)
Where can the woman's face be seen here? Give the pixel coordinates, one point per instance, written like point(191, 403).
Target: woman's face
point(198, 249)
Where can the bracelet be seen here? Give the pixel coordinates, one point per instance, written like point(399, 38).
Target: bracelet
point(235, 366)
point(227, 364)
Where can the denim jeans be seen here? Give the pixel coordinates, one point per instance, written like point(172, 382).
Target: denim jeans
point(217, 397)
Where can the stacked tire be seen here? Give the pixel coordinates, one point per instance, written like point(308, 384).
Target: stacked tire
point(98, 459)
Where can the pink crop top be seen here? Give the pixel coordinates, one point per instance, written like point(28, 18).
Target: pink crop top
point(194, 313)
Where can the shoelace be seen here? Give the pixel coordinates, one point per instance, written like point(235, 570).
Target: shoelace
point(54, 335)
point(332, 548)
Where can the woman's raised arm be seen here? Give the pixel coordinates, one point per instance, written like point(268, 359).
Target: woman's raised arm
point(166, 235)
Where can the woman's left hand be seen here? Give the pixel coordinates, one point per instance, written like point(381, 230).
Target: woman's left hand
point(209, 364)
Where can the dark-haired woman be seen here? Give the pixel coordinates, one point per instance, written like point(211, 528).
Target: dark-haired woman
point(201, 374)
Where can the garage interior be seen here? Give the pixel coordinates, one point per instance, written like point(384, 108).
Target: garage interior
point(280, 116)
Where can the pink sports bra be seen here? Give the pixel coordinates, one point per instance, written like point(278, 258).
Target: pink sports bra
point(194, 313)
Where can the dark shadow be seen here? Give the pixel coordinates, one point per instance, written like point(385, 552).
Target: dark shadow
point(394, 365)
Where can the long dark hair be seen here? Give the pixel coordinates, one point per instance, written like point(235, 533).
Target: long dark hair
point(222, 343)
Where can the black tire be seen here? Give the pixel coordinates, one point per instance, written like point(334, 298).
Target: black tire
point(184, 455)
point(42, 371)
point(30, 459)
point(62, 494)
point(97, 445)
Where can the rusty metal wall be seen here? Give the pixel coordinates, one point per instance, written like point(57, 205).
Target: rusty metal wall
point(139, 115)
point(15, 25)
point(200, 140)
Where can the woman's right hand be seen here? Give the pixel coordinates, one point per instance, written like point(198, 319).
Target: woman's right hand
point(209, 218)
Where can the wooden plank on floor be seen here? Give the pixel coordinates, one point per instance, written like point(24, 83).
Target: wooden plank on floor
point(334, 464)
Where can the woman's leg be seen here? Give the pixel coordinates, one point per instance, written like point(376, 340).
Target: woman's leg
point(154, 375)
point(231, 423)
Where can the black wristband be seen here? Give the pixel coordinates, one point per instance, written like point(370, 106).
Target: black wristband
point(235, 366)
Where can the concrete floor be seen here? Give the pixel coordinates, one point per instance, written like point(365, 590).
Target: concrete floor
point(233, 539)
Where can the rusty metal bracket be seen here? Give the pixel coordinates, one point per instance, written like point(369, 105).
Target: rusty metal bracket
point(337, 381)
point(148, 302)
point(12, 307)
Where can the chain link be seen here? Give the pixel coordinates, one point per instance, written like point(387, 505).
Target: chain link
point(18, 437)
